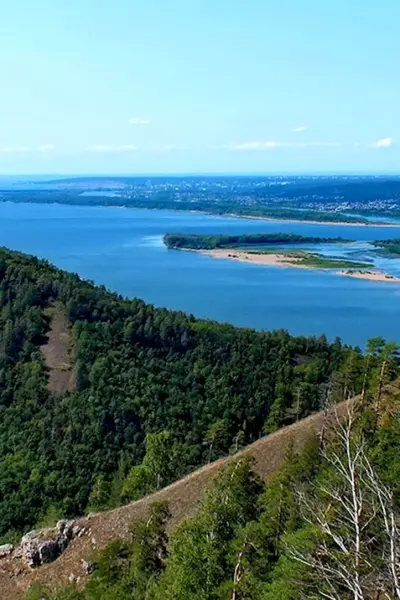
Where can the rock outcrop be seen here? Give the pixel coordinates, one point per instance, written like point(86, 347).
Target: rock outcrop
point(46, 545)
point(6, 550)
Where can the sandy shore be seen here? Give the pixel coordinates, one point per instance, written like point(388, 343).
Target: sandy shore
point(371, 276)
point(283, 260)
point(283, 220)
point(272, 260)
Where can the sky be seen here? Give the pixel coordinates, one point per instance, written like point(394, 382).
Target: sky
point(199, 86)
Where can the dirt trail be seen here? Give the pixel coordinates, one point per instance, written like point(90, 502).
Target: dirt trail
point(57, 351)
point(183, 497)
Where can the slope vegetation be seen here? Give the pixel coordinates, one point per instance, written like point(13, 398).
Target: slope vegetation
point(182, 496)
point(68, 436)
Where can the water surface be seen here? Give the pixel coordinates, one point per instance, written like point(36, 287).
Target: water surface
point(123, 249)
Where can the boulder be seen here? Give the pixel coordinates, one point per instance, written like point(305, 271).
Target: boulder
point(88, 566)
point(6, 550)
point(45, 546)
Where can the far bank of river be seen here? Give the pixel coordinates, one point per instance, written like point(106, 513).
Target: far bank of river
point(305, 222)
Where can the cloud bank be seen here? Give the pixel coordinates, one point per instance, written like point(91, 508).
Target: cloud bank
point(386, 142)
point(139, 121)
point(110, 148)
point(273, 144)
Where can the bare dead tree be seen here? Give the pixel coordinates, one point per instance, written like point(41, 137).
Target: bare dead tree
point(238, 571)
point(355, 506)
point(326, 402)
point(389, 520)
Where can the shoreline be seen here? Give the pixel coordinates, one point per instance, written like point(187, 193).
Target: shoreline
point(308, 222)
point(370, 276)
point(284, 261)
point(268, 260)
point(212, 214)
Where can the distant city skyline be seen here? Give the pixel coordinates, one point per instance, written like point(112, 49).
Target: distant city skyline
point(182, 88)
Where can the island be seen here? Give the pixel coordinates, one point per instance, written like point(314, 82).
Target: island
point(194, 241)
point(371, 275)
point(267, 250)
point(284, 258)
point(388, 248)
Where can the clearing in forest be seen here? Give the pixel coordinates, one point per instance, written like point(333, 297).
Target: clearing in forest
point(58, 352)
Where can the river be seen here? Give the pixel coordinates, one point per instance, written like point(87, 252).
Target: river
point(123, 250)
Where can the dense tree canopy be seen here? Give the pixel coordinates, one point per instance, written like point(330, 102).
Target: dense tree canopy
point(211, 241)
point(146, 379)
point(327, 526)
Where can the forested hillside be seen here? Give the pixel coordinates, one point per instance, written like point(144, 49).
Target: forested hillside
point(326, 526)
point(156, 393)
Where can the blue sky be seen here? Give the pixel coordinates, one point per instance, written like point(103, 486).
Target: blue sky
point(150, 86)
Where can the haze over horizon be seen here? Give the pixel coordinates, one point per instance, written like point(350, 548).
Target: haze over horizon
point(127, 88)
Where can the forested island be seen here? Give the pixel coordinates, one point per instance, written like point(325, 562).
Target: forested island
point(211, 241)
point(265, 249)
point(390, 248)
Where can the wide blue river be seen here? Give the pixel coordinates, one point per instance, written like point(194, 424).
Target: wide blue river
point(122, 249)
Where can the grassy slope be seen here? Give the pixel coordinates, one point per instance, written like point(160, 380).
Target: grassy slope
point(183, 497)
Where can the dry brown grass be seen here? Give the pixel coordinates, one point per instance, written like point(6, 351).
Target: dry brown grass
point(183, 498)
point(57, 351)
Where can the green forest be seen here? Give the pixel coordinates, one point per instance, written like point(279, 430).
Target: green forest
point(326, 526)
point(212, 241)
point(149, 383)
point(157, 393)
point(389, 247)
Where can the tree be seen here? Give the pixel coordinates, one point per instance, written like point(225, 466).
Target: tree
point(215, 435)
point(156, 469)
point(199, 561)
point(159, 458)
point(353, 514)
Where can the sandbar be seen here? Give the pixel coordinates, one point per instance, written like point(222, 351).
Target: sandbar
point(371, 276)
point(285, 260)
point(273, 260)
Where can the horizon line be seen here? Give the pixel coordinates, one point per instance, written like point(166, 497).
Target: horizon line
point(208, 174)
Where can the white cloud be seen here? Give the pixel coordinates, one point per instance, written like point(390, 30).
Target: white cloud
point(139, 121)
point(383, 143)
point(26, 149)
point(317, 145)
point(272, 145)
point(299, 129)
point(16, 150)
point(167, 148)
point(109, 148)
point(269, 145)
